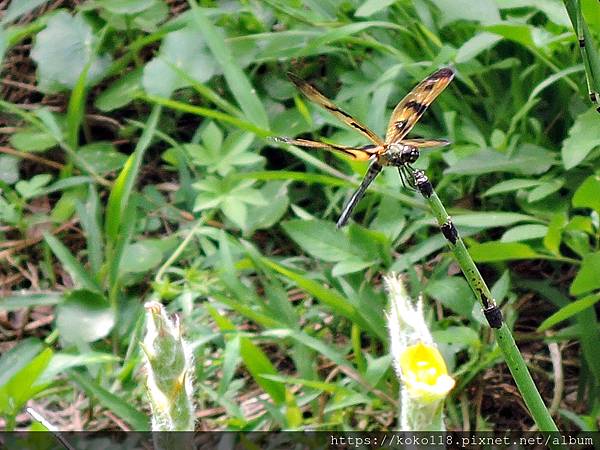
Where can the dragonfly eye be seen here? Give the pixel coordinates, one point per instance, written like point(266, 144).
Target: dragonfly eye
point(413, 155)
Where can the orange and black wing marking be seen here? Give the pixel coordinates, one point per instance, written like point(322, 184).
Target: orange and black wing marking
point(411, 108)
point(357, 153)
point(426, 143)
point(320, 99)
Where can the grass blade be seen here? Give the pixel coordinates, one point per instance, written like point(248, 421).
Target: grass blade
point(237, 81)
point(119, 406)
point(119, 196)
point(79, 274)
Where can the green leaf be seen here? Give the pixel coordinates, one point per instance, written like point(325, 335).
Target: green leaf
point(25, 300)
point(9, 169)
point(89, 216)
point(524, 34)
point(18, 8)
point(581, 223)
point(501, 251)
point(62, 51)
point(529, 159)
point(127, 6)
point(102, 157)
point(129, 15)
point(587, 195)
point(223, 157)
point(3, 43)
point(8, 211)
point(545, 189)
point(84, 316)
point(232, 195)
point(50, 123)
point(582, 139)
point(326, 296)
point(554, 235)
point(61, 362)
point(316, 344)
point(501, 286)
point(314, 384)
point(454, 293)
point(24, 384)
point(524, 233)
point(371, 7)
point(569, 311)
point(32, 140)
point(371, 245)
point(121, 191)
point(266, 216)
point(254, 358)
point(510, 185)
point(484, 11)
point(18, 357)
point(76, 108)
point(490, 219)
point(458, 338)
point(231, 359)
point(33, 187)
point(588, 277)
point(117, 249)
point(239, 85)
point(554, 10)
point(208, 112)
point(321, 239)
point(349, 266)
point(121, 92)
point(80, 276)
point(474, 46)
point(141, 257)
point(66, 183)
point(184, 51)
point(121, 407)
point(258, 364)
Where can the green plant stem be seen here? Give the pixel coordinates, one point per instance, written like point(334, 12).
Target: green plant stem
point(506, 343)
point(589, 53)
point(181, 247)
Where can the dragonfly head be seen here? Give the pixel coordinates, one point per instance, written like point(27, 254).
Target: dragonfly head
point(398, 154)
point(411, 154)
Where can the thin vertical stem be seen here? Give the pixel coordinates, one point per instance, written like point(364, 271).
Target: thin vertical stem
point(512, 356)
point(589, 53)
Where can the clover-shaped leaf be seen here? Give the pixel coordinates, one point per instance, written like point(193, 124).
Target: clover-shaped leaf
point(223, 155)
point(182, 53)
point(231, 196)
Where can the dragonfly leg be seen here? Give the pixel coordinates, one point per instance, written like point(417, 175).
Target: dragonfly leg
point(372, 172)
point(402, 178)
point(408, 173)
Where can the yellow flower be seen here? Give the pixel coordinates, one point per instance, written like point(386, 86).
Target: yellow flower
point(424, 373)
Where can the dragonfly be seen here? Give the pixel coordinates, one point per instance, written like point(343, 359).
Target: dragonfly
point(396, 150)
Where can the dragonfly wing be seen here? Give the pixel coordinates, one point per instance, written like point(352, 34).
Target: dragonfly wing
point(426, 143)
point(411, 108)
point(320, 99)
point(356, 153)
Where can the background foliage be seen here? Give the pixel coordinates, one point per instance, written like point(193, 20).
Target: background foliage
point(134, 165)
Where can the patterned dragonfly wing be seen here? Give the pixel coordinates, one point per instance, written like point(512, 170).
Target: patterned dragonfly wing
point(411, 108)
point(357, 153)
point(320, 99)
point(426, 143)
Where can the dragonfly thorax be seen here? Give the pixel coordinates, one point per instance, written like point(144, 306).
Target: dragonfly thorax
point(399, 155)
